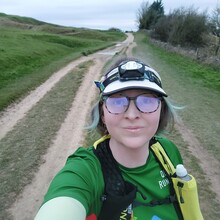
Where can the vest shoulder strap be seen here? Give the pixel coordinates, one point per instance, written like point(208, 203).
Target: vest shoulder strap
point(163, 158)
point(118, 193)
point(167, 165)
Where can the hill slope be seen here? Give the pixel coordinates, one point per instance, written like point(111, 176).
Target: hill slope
point(32, 50)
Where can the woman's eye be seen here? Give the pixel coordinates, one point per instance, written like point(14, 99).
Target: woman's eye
point(119, 101)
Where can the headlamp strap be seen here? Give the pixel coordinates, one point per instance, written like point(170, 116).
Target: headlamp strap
point(100, 86)
point(110, 79)
point(149, 75)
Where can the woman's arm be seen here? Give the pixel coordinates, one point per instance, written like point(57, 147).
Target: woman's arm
point(61, 208)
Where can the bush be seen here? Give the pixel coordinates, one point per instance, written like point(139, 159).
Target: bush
point(162, 29)
point(184, 27)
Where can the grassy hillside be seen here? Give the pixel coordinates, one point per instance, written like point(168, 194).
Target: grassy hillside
point(31, 50)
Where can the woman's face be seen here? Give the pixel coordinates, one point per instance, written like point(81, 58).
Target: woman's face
point(131, 129)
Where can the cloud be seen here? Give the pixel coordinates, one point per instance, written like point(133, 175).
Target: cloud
point(93, 14)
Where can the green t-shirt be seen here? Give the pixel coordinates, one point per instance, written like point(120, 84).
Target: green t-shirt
point(81, 178)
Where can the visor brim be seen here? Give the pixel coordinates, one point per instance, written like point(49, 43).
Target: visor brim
point(118, 86)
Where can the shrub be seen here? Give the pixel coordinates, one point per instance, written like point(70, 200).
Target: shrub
point(184, 27)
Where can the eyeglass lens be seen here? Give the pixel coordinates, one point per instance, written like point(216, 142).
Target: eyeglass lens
point(144, 103)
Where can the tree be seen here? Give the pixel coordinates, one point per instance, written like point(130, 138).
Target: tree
point(149, 15)
point(215, 21)
point(157, 6)
point(215, 27)
point(142, 15)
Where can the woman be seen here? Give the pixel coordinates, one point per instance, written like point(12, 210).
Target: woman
point(132, 109)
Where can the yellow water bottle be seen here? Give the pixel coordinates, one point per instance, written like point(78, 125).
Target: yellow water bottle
point(187, 194)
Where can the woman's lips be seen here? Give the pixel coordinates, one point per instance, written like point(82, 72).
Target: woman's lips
point(133, 128)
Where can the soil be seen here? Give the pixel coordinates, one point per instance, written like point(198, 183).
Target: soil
point(71, 134)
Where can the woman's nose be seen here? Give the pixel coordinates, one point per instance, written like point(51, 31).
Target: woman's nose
point(132, 111)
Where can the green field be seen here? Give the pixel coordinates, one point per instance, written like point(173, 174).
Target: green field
point(30, 51)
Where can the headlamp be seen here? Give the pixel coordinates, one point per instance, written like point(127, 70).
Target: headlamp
point(130, 75)
point(131, 70)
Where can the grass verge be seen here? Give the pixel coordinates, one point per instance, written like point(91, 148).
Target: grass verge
point(182, 81)
point(22, 149)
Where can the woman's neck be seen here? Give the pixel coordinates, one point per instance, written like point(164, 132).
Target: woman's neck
point(129, 157)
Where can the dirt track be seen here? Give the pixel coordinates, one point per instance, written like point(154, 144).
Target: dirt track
point(26, 206)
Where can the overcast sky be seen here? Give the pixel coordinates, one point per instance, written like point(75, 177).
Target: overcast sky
point(96, 14)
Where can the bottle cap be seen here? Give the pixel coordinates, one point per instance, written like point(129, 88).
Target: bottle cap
point(181, 170)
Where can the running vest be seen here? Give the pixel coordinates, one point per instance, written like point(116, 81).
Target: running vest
point(119, 195)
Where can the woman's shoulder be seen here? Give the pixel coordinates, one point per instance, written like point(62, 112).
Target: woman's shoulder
point(82, 152)
point(78, 178)
point(83, 157)
point(165, 142)
point(170, 148)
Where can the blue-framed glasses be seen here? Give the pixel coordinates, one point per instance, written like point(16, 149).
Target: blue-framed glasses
point(117, 104)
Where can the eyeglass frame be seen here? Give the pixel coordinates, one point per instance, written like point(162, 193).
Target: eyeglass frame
point(134, 98)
